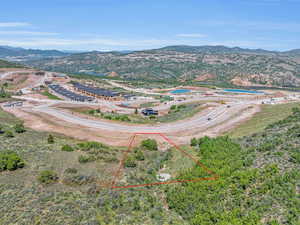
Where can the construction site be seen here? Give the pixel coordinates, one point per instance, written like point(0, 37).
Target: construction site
point(82, 110)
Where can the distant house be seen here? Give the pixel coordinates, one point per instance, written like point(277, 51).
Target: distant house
point(97, 92)
point(48, 82)
point(40, 73)
point(36, 89)
point(61, 75)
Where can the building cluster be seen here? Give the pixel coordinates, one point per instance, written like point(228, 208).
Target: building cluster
point(99, 93)
point(69, 94)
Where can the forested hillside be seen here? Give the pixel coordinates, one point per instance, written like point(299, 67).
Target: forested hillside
point(259, 179)
point(209, 64)
point(5, 64)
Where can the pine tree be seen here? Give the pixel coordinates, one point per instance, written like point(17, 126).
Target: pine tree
point(50, 139)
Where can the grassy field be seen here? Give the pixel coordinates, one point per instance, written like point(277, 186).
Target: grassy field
point(180, 162)
point(268, 115)
point(147, 105)
point(50, 96)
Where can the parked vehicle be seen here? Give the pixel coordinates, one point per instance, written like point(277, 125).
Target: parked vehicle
point(149, 111)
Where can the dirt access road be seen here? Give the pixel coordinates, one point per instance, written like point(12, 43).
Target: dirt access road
point(47, 118)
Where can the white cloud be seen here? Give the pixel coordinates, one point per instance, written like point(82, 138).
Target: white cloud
point(14, 24)
point(58, 42)
point(30, 33)
point(191, 35)
point(132, 44)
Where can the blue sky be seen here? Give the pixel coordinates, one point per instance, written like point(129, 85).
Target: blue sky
point(145, 24)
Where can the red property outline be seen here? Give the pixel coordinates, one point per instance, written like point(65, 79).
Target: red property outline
point(125, 155)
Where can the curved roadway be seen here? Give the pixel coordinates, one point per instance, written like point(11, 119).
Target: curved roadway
point(217, 115)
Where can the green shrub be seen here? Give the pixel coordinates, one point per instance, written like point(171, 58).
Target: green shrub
point(10, 161)
point(108, 117)
point(50, 139)
point(139, 155)
point(129, 162)
point(91, 112)
point(124, 118)
point(19, 128)
point(89, 145)
point(78, 180)
point(194, 142)
point(86, 158)
point(149, 144)
point(173, 107)
point(296, 157)
point(9, 134)
point(3, 93)
point(67, 148)
point(71, 170)
point(1, 129)
point(47, 177)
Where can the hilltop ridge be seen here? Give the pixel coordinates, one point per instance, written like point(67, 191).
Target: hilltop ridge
point(226, 66)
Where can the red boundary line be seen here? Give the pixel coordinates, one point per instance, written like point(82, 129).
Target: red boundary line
point(121, 166)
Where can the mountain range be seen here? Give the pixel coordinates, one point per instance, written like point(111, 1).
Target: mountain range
point(21, 54)
point(204, 64)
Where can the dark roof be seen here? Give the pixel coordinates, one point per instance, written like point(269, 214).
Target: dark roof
point(69, 94)
point(95, 90)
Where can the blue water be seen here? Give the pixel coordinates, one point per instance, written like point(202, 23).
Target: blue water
point(180, 91)
point(243, 91)
point(95, 74)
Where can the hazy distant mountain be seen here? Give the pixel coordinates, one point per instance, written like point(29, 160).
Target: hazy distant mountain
point(295, 52)
point(21, 54)
point(219, 49)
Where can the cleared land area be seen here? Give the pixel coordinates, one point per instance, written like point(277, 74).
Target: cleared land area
point(268, 115)
point(50, 96)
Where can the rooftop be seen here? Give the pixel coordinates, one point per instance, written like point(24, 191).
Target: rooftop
point(95, 90)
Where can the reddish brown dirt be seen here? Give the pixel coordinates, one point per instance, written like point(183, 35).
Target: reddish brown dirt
point(113, 74)
point(22, 80)
point(37, 96)
point(204, 77)
point(44, 122)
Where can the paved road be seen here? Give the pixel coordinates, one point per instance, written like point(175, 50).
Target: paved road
point(218, 115)
point(115, 105)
